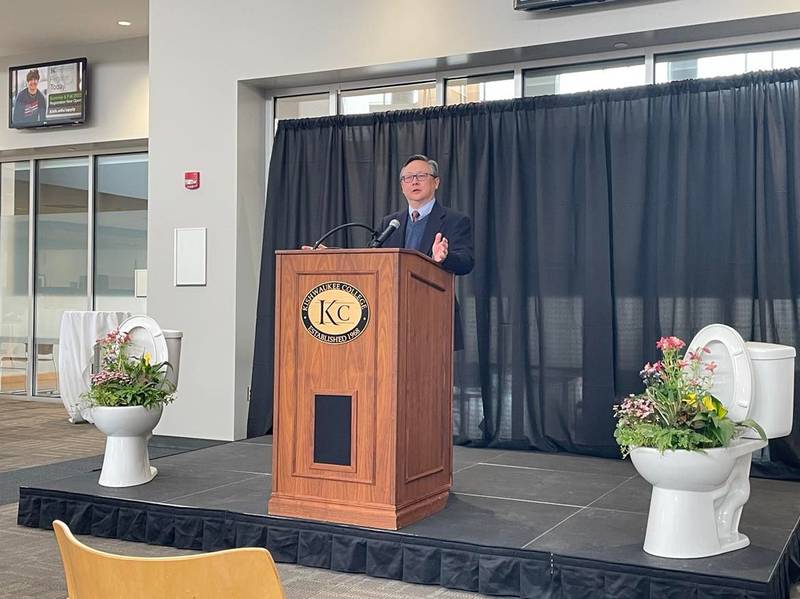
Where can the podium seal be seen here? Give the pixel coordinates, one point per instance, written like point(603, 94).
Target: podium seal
point(335, 312)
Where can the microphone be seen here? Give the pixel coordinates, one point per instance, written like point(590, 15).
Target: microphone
point(339, 228)
point(391, 228)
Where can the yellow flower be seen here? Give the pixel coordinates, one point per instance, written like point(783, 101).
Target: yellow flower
point(147, 357)
point(714, 405)
point(692, 397)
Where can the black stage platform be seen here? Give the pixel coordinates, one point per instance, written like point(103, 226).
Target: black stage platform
point(517, 523)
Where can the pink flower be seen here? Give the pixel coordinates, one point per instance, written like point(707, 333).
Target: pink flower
point(711, 367)
point(683, 363)
point(651, 370)
point(695, 356)
point(109, 337)
point(666, 343)
point(638, 407)
point(109, 376)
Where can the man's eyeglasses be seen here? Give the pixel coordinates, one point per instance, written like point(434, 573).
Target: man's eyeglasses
point(415, 177)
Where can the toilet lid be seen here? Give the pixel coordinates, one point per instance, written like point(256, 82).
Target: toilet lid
point(146, 336)
point(733, 377)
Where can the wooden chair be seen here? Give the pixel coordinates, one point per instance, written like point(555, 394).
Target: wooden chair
point(246, 573)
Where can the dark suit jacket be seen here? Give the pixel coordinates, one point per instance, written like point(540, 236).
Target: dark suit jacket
point(457, 228)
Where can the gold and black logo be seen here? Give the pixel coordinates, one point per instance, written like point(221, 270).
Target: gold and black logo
point(335, 312)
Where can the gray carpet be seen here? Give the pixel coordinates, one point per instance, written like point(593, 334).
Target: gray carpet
point(37, 444)
point(30, 568)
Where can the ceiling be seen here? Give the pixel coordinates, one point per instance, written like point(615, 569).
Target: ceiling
point(31, 26)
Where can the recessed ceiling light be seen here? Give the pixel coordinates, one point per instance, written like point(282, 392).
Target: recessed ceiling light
point(124, 23)
point(621, 45)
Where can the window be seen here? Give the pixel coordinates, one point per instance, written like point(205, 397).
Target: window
point(722, 63)
point(15, 181)
point(565, 79)
point(302, 107)
point(381, 99)
point(582, 78)
point(120, 232)
point(62, 266)
point(485, 88)
point(61, 259)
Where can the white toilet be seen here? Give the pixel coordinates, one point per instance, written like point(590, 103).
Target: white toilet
point(126, 462)
point(698, 497)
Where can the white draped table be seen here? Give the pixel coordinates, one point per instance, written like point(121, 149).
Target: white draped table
point(79, 333)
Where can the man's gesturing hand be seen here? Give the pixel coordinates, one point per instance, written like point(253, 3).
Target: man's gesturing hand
point(439, 248)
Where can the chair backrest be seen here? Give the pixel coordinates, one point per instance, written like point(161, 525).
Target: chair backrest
point(15, 348)
point(246, 573)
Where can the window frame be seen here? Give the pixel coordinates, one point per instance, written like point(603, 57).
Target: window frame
point(414, 73)
point(640, 60)
point(382, 89)
point(791, 43)
point(485, 75)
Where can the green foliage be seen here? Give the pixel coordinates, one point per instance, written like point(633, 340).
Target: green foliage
point(146, 386)
point(660, 437)
point(127, 380)
point(676, 409)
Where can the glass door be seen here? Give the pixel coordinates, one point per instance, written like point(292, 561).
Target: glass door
point(73, 236)
point(62, 263)
point(15, 196)
point(120, 238)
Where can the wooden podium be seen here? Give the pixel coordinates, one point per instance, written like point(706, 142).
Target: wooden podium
point(363, 387)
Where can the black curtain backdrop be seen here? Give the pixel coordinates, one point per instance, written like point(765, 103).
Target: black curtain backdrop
point(602, 222)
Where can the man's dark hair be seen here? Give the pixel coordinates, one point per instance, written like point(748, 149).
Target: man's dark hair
point(431, 162)
point(32, 74)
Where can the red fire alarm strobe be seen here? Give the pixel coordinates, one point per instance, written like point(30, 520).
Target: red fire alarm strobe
point(191, 179)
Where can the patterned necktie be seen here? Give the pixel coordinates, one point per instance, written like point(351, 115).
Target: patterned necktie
point(414, 216)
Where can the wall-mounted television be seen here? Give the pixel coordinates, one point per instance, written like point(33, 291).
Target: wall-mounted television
point(47, 94)
point(549, 4)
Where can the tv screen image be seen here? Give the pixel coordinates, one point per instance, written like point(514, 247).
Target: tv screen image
point(47, 94)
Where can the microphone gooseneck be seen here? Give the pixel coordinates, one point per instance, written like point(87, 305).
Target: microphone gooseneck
point(339, 228)
point(393, 225)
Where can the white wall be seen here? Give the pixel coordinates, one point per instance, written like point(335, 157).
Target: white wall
point(118, 88)
point(250, 192)
point(202, 120)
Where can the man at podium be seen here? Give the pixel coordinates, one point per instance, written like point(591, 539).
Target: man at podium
point(363, 425)
point(427, 226)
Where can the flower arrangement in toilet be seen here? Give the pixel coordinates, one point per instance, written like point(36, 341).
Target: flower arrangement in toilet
point(676, 409)
point(692, 432)
point(128, 380)
point(127, 396)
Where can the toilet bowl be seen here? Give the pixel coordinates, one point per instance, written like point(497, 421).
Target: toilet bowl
point(126, 462)
point(697, 497)
point(128, 429)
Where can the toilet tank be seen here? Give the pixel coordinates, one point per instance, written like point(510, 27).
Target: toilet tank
point(174, 340)
point(773, 388)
